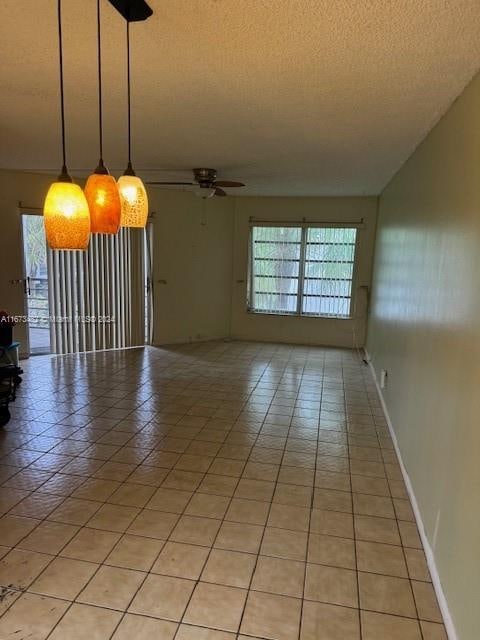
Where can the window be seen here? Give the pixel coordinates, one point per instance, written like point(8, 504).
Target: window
point(302, 270)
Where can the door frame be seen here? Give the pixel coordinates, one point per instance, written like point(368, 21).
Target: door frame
point(149, 282)
point(31, 211)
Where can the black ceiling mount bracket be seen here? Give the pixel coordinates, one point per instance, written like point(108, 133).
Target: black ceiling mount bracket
point(132, 10)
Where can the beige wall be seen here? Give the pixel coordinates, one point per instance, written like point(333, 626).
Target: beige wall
point(325, 331)
point(425, 331)
point(193, 254)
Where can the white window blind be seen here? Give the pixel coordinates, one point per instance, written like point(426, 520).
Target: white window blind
point(97, 297)
point(302, 270)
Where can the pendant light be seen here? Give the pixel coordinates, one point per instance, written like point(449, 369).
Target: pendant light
point(133, 195)
point(101, 189)
point(66, 215)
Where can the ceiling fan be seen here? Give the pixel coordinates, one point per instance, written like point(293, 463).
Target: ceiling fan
point(206, 182)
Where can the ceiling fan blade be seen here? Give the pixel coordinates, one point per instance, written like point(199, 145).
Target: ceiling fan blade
point(220, 192)
point(173, 183)
point(228, 183)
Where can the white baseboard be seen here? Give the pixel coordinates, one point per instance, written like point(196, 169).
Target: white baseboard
point(190, 340)
point(437, 584)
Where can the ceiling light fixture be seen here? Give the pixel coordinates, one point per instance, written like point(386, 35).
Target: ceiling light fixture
point(101, 189)
point(133, 195)
point(66, 215)
point(204, 192)
point(132, 10)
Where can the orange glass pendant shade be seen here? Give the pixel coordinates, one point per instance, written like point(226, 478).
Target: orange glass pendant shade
point(65, 211)
point(101, 190)
point(134, 199)
point(133, 194)
point(66, 216)
point(103, 199)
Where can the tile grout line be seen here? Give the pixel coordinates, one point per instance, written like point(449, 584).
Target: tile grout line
point(354, 533)
point(168, 538)
point(178, 395)
point(312, 502)
point(248, 589)
point(403, 551)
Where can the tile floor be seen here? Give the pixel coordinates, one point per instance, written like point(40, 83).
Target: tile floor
point(207, 492)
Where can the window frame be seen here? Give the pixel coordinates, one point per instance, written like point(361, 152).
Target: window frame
point(304, 226)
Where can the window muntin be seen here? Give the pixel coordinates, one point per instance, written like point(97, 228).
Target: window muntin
point(302, 270)
point(275, 269)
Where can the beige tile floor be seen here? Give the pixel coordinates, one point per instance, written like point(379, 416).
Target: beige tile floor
point(207, 492)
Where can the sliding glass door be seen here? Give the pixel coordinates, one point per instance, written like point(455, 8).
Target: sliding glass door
point(97, 297)
point(35, 283)
point(90, 300)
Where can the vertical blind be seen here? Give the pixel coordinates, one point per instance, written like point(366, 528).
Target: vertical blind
point(96, 297)
point(302, 270)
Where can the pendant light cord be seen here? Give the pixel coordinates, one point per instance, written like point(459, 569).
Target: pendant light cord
point(129, 170)
point(100, 111)
point(129, 97)
point(62, 99)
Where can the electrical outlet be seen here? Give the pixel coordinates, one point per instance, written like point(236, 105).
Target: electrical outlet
point(383, 378)
point(435, 531)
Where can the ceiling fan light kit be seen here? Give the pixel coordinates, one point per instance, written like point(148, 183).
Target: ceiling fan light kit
point(205, 183)
point(70, 215)
point(204, 192)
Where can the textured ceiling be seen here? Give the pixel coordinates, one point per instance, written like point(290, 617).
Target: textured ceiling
point(294, 97)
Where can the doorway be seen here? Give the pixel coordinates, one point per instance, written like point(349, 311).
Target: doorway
point(148, 281)
point(36, 283)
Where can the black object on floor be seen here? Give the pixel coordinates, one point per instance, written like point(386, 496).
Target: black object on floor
point(9, 380)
